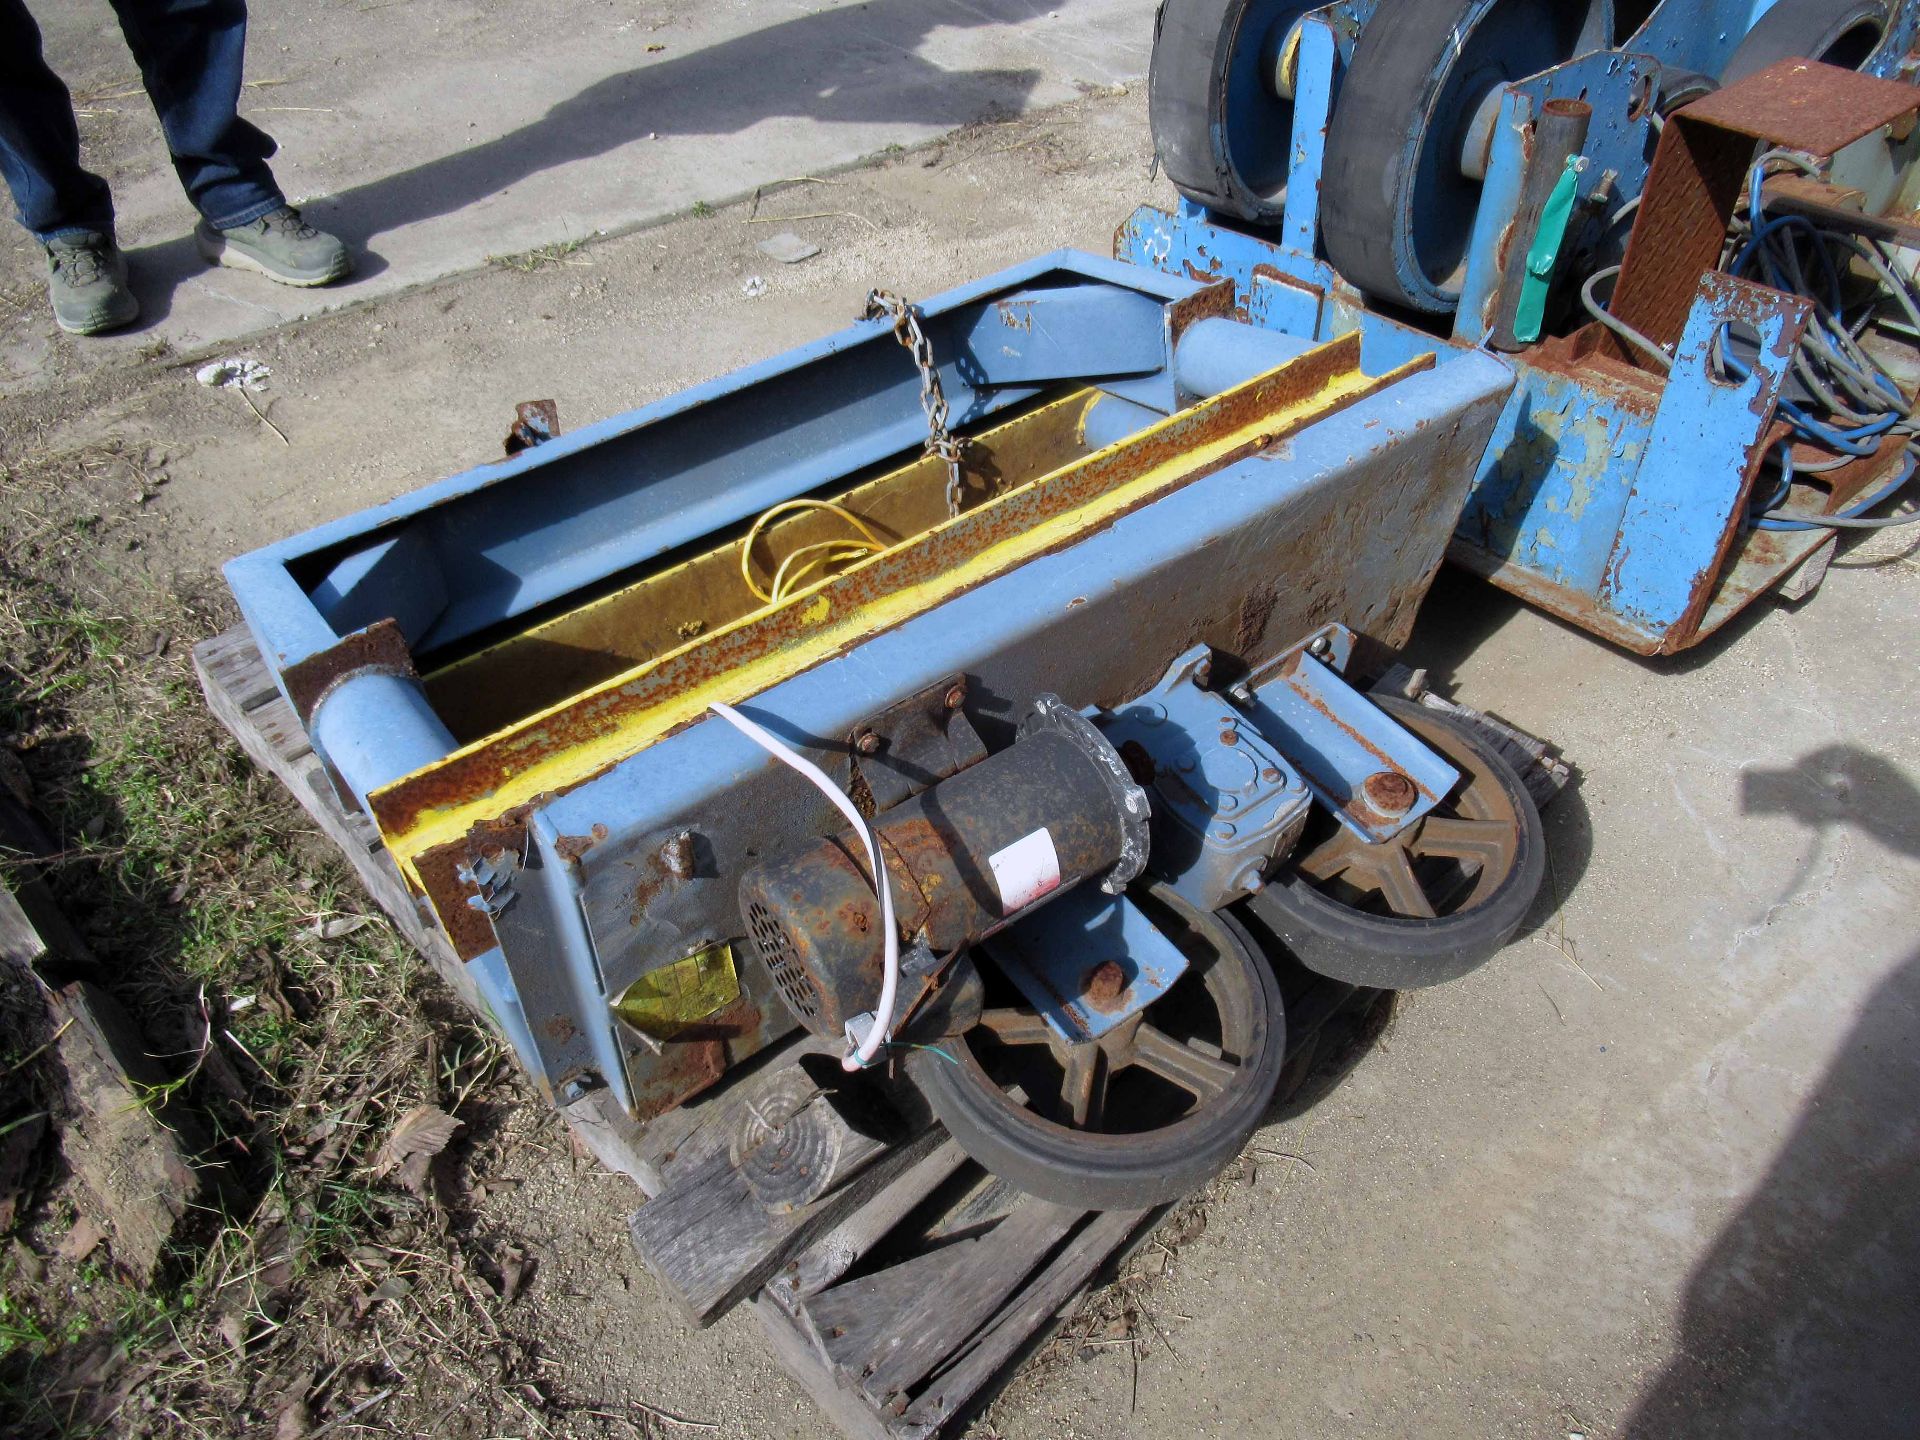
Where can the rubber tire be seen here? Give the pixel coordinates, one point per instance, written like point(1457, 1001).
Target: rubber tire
point(1367, 197)
point(1391, 952)
point(1199, 56)
point(1807, 29)
point(1152, 1168)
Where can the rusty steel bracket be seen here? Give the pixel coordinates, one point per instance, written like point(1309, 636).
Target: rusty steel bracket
point(1701, 167)
point(379, 649)
point(534, 423)
point(1216, 301)
point(900, 751)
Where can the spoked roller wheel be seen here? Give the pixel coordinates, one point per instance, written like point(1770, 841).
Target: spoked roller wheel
point(1398, 198)
point(1436, 901)
point(1140, 1116)
point(1220, 97)
point(1840, 32)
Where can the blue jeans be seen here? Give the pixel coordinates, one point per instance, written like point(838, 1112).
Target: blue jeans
point(190, 54)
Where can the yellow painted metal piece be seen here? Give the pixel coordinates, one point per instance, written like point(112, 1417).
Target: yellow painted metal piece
point(664, 1002)
point(564, 655)
point(587, 734)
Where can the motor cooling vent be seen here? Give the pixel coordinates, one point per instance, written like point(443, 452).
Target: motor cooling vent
point(783, 961)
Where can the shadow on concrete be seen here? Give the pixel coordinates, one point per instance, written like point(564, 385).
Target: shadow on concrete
point(1840, 785)
point(1804, 1317)
point(851, 64)
point(1460, 614)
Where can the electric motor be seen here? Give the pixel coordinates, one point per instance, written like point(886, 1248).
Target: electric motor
point(964, 857)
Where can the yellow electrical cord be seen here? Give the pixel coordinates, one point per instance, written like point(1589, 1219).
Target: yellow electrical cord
point(785, 585)
point(873, 544)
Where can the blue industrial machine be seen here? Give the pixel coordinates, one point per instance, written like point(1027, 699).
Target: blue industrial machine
point(971, 688)
point(1448, 176)
point(967, 688)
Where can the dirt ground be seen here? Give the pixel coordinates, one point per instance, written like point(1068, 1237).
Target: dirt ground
point(1652, 1172)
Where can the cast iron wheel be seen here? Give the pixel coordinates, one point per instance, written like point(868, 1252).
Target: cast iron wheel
point(1141, 1116)
point(1223, 131)
point(1397, 210)
point(1433, 903)
point(1839, 32)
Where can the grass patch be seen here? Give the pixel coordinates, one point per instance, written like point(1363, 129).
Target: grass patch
point(528, 261)
point(202, 889)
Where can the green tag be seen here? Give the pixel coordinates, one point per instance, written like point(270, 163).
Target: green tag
point(1531, 312)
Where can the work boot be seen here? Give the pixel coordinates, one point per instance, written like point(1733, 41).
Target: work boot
point(87, 283)
point(281, 246)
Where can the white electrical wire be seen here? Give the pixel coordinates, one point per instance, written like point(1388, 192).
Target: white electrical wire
point(869, 1045)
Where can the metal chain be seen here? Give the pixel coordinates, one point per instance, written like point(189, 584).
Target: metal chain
point(940, 440)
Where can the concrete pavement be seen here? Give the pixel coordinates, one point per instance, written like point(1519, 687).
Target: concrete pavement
point(434, 134)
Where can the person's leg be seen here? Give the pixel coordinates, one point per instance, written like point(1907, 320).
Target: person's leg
point(191, 53)
point(67, 208)
point(39, 142)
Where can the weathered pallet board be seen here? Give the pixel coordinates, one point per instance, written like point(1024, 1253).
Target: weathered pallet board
point(243, 697)
point(137, 1153)
point(711, 1238)
point(904, 1349)
point(245, 700)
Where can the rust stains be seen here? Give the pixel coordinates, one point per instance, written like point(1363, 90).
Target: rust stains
point(467, 928)
point(1389, 792)
point(1105, 986)
point(1015, 314)
point(571, 847)
point(1256, 610)
point(380, 649)
point(1700, 168)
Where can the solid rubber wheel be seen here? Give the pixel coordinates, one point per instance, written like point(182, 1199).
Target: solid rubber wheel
point(1396, 211)
point(1141, 1116)
point(1839, 32)
point(1223, 134)
point(1438, 900)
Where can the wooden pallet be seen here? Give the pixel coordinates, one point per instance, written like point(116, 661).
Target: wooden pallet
point(895, 1280)
point(844, 1281)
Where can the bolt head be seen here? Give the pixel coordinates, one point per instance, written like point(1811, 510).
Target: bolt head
point(1320, 645)
point(677, 856)
point(867, 742)
point(1389, 792)
point(956, 697)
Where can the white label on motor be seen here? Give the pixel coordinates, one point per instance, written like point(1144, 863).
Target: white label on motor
point(1025, 870)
